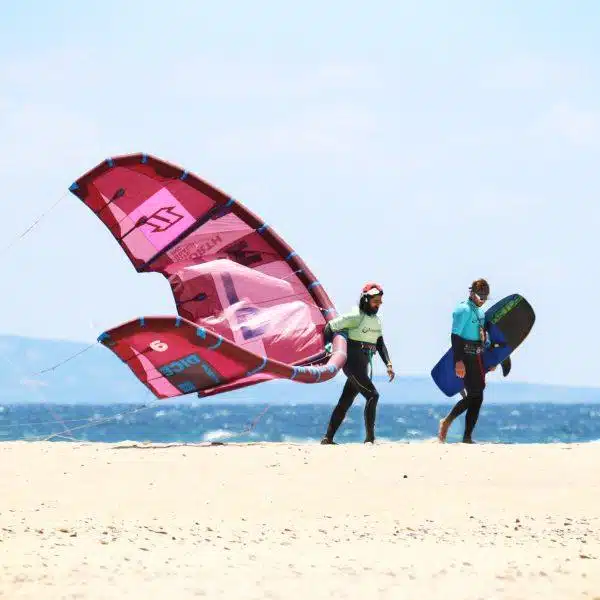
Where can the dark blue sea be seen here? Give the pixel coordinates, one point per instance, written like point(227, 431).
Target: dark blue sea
point(96, 398)
point(276, 420)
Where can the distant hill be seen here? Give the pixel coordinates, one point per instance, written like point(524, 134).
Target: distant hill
point(96, 376)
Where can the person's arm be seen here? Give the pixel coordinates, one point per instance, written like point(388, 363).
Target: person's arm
point(385, 356)
point(345, 321)
point(457, 348)
point(337, 324)
point(383, 351)
point(459, 320)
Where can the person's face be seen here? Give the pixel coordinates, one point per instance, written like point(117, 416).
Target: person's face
point(479, 298)
point(375, 302)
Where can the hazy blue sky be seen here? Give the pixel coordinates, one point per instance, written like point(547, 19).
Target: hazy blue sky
point(419, 144)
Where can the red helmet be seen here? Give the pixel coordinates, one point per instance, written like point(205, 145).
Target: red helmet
point(372, 289)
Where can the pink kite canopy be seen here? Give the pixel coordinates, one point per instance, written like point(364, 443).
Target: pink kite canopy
point(249, 309)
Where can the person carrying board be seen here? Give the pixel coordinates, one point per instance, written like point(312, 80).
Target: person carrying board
point(468, 343)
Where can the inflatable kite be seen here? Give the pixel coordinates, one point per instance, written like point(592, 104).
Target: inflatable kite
point(248, 308)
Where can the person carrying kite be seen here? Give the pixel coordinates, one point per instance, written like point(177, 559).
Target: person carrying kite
point(364, 331)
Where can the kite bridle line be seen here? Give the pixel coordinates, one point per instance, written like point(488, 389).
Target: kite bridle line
point(64, 433)
point(33, 224)
point(6, 248)
point(46, 405)
point(103, 420)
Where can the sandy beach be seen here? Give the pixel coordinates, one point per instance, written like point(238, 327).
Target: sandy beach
point(418, 521)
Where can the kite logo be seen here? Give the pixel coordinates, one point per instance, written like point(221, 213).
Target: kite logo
point(194, 250)
point(162, 219)
point(177, 366)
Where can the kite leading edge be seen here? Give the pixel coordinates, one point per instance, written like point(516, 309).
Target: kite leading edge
point(249, 309)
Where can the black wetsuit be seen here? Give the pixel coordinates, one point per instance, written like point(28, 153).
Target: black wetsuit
point(471, 354)
point(359, 380)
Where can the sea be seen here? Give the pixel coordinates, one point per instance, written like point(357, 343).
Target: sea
point(297, 413)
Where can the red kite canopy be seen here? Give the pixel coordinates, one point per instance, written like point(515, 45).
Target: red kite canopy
point(249, 309)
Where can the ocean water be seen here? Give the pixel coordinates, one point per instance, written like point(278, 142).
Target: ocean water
point(167, 421)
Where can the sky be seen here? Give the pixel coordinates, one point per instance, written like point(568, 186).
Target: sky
point(418, 144)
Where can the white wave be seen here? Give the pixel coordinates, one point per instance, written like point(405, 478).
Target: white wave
point(291, 439)
point(216, 435)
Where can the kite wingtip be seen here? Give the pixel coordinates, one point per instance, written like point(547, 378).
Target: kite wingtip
point(104, 338)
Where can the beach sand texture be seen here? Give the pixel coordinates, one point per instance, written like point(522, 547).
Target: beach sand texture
point(391, 521)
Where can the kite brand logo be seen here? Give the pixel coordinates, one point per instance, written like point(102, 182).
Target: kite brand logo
point(178, 366)
point(504, 310)
point(194, 251)
point(162, 219)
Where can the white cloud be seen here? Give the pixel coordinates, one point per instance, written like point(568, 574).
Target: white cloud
point(577, 126)
point(37, 137)
point(50, 126)
point(67, 73)
point(337, 130)
point(230, 80)
point(42, 71)
point(41, 128)
point(531, 73)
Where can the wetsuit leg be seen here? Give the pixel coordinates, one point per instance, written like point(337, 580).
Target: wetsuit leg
point(370, 415)
point(458, 409)
point(474, 386)
point(357, 371)
point(349, 393)
point(365, 386)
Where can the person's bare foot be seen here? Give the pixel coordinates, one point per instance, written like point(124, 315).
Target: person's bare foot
point(443, 430)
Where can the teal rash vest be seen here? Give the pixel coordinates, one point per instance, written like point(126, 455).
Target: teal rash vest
point(467, 320)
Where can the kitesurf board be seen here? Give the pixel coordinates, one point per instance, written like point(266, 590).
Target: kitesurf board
point(508, 323)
